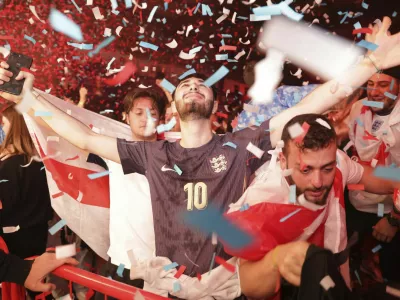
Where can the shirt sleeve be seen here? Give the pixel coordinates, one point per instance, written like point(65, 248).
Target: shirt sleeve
point(133, 156)
point(13, 269)
point(352, 171)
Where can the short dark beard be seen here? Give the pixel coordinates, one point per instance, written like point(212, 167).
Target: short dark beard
point(194, 111)
point(299, 192)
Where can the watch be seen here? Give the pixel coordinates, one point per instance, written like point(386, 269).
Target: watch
point(392, 220)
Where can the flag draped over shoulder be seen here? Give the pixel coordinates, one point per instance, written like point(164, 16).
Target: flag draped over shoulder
point(83, 203)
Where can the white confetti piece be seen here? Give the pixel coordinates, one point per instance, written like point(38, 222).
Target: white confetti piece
point(33, 10)
point(374, 162)
point(323, 123)
point(11, 229)
point(89, 2)
point(118, 30)
point(65, 251)
point(327, 283)
point(109, 63)
point(214, 238)
point(255, 150)
point(97, 14)
point(221, 18)
point(381, 210)
point(186, 56)
point(295, 130)
point(53, 139)
point(31, 21)
point(173, 44)
point(240, 54)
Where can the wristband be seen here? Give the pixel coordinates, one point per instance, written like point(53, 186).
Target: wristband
point(275, 265)
point(392, 220)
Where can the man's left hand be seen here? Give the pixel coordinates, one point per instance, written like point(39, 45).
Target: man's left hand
point(383, 231)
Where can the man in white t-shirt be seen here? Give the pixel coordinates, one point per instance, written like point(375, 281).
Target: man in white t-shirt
point(130, 204)
point(375, 134)
point(319, 172)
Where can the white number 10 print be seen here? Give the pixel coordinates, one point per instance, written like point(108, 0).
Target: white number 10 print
point(196, 195)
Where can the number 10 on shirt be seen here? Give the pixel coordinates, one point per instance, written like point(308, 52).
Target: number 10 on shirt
point(196, 195)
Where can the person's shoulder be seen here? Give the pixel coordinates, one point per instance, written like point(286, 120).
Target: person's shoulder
point(356, 108)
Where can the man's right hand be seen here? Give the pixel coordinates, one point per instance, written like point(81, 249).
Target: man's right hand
point(42, 266)
point(5, 77)
point(289, 258)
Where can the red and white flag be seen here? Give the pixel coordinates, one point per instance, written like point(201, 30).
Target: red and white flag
point(83, 203)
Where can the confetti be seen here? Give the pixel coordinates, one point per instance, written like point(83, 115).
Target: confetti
point(359, 122)
point(271, 10)
point(368, 45)
point(295, 130)
point(102, 45)
point(394, 14)
point(187, 73)
point(364, 5)
point(98, 175)
point(123, 76)
point(374, 162)
point(244, 207)
point(43, 114)
point(355, 187)
point(362, 30)
point(373, 103)
point(120, 270)
point(290, 215)
point(148, 45)
point(97, 13)
point(255, 150)
point(57, 195)
point(31, 39)
point(211, 220)
point(177, 170)
point(230, 144)
point(65, 251)
point(166, 127)
point(76, 6)
point(3, 180)
point(173, 44)
point(180, 272)
point(289, 12)
point(327, 283)
point(33, 10)
point(195, 50)
point(176, 287)
point(170, 266)
point(381, 209)
point(168, 85)
point(292, 194)
point(186, 56)
point(323, 123)
point(376, 249)
point(11, 229)
point(226, 265)
point(81, 46)
point(391, 85)
point(153, 11)
point(255, 18)
point(390, 95)
point(221, 57)
point(221, 73)
point(55, 228)
point(387, 173)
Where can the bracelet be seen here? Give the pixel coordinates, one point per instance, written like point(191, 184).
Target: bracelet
point(373, 63)
point(275, 265)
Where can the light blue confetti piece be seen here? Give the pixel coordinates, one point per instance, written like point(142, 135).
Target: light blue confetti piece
point(292, 194)
point(115, 12)
point(231, 60)
point(188, 66)
point(3, 180)
point(65, 25)
point(153, 11)
point(217, 76)
point(141, 37)
point(165, 6)
point(358, 277)
point(344, 17)
point(207, 10)
point(373, 103)
point(225, 35)
point(391, 85)
point(81, 46)
point(368, 45)
point(56, 227)
point(359, 122)
point(390, 95)
point(387, 173)
point(120, 270)
point(195, 50)
point(197, 8)
point(377, 248)
point(44, 31)
point(394, 14)
point(212, 220)
point(222, 42)
point(177, 170)
point(244, 207)
point(168, 85)
point(393, 165)
point(166, 127)
point(7, 46)
point(272, 10)
point(102, 45)
point(289, 12)
point(187, 73)
point(381, 209)
point(204, 9)
point(76, 57)
point(164, 20)
point(76, 6)
point(242, 18)
point(170, 266)
point(176, 287)
point(31, 39)
point(43, 114)
point(221, 56)
point(230, 144)
point(364, 5)
point(357, 26)
point(124, 23)
point(148, 45)
point(234, 67)
point(290, 215)
point(98, 175)
point(212, 263)
point(42, 168)
point(128, 3)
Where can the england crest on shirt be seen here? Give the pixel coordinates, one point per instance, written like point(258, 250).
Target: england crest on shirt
point(218, 164)
point(376, 125)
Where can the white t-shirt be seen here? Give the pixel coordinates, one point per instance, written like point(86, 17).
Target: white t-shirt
point(131, 217)
point(390, 135)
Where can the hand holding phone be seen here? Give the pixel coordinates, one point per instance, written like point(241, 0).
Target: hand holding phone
point(16, 62)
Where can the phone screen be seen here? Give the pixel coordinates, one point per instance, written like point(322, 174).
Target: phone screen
point(16, 61)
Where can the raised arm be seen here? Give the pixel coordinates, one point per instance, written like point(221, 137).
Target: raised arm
point(63, 124)
point(387, 55)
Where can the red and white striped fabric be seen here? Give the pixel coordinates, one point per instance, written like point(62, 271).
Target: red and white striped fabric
point(83, 203)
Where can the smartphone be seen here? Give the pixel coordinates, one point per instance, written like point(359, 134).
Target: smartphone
point(16, 61)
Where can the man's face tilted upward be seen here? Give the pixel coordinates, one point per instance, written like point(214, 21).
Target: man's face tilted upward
point(193, 100)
